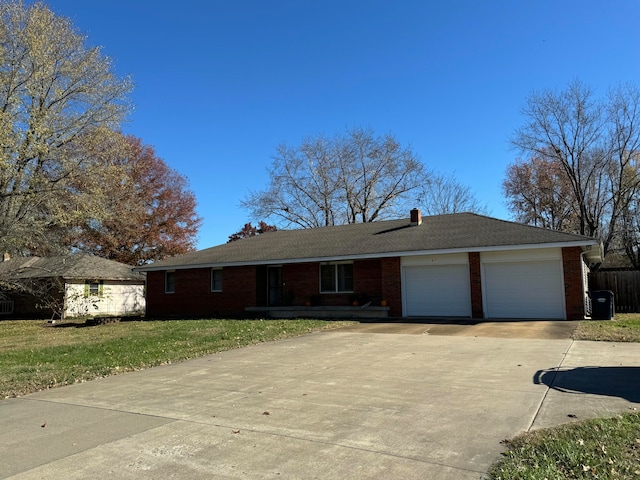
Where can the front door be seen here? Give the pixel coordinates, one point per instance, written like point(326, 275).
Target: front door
point(275, 286)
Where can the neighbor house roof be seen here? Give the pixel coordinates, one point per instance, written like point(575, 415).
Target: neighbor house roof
point(437, 234)
point(70, 267)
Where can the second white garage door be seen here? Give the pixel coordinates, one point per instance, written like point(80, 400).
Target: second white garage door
point(437, 291)
point(524, 290)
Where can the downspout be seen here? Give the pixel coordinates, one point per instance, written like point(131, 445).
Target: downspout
point(586, 300)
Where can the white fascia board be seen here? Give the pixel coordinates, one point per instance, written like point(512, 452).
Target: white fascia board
point(282, 261)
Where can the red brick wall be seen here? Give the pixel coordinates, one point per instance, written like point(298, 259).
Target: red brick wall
point(302, 282)
point(475, 278)
point(573, 288)
point(367, 278)
point(193, 296)
point(391, 285)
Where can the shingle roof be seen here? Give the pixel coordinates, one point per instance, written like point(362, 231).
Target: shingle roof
point(70, 267)
point(455, 232)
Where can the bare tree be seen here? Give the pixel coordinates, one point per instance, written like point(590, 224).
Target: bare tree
point(624, 170)
point(354, 177)
point(568, 127)
point(596, 143)
point(54, 91)
point(443, 194)
point(377, 175)
point(302, 187)
point(24, 281)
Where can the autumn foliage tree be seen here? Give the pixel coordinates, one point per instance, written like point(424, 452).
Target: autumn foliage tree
point(250, 231)
point(149, 211)
point(538, 193)
point(68, 179)
point(55, 94)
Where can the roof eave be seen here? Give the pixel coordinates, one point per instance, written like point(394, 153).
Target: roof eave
point(587, 245)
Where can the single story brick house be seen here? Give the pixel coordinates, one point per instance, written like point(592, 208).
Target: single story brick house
point(78, 285)
point(458, 265)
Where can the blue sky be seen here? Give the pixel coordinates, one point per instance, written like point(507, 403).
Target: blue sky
point(219, 84)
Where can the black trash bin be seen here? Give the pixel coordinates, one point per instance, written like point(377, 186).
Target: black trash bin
point(602, 307)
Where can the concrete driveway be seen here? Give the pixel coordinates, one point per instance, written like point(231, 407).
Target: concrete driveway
point(330, 405)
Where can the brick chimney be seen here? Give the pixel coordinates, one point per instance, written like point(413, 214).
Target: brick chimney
point(6, 257)
point(416, 217)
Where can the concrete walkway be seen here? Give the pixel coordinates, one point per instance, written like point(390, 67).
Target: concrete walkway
point(331, 405)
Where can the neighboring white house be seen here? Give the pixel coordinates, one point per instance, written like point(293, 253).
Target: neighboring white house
point(103, 298)
point(77, 285)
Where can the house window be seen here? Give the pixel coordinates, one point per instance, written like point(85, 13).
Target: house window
point(170, 282)
point(93, 288)
point(216, 280)
point(336, 278)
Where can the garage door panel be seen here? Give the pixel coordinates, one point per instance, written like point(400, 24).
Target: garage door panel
point(524, 290)
point(441, 290)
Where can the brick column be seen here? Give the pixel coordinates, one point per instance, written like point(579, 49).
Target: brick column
point(475, 279)
point(573, 288)
point(392, 285)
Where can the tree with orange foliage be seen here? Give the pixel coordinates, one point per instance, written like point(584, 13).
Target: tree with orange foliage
point(250, 231)
point(538, 193)
point(149, 213)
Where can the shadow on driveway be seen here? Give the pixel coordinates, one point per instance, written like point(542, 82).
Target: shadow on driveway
point(622, 382)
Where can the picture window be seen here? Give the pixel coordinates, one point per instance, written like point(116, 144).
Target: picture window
point(336, 278)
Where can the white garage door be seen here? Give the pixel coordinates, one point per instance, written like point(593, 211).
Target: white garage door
point(524, 290)
point(437, 291)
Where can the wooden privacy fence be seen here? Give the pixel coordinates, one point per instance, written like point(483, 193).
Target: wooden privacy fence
point(625, 285)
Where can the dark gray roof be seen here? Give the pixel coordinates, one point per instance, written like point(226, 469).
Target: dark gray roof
point(455, 232)
point(70, 267)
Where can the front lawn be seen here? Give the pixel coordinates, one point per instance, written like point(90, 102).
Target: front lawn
point(624, 327)
point(602, 448)
point(35, 355)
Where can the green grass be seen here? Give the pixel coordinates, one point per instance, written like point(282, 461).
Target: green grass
point(605, 449)
point(624, 327)
point(35, 355)
point(602, 448)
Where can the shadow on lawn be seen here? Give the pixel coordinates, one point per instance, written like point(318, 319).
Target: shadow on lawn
point(622, 382)
point(68, 325)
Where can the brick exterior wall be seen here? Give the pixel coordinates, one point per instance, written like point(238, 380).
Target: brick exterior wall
point(193, 296)
point(302, 283)
point(392, 285)
point(573, 288)
point(374, 280)
point(475, 278)
point(301, 286)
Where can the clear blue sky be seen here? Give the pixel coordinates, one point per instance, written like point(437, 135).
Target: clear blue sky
point(219, 84)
